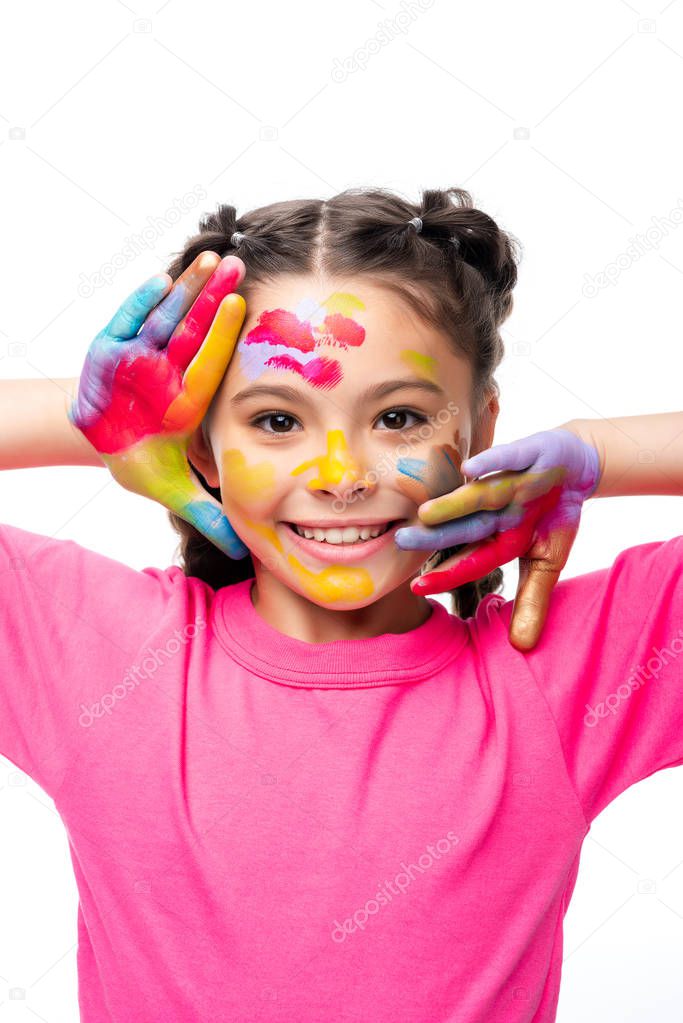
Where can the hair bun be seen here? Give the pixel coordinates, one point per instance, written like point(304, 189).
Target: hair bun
point(223, 222)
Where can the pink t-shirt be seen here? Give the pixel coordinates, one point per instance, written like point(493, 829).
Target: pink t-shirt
point(379, 829)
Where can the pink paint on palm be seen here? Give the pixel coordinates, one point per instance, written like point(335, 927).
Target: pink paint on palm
point(127, 388)
point(147, 381)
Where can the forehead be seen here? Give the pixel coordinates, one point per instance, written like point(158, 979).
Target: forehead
point(378, 309)
point(331, 331)
point(290, 286)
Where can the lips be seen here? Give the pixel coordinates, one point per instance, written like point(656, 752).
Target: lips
point(344, 553)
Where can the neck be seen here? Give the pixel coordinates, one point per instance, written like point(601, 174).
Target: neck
point(296, 616)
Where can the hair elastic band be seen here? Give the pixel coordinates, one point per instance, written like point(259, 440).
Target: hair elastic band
point(416, 222)
point(236, 238)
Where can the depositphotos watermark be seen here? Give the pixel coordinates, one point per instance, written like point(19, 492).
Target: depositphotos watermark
point(636, 249)
point(397, 886)
point(386, 32)
point(134, 675)
point(135, 244)
point(635, 681)
point(387, 464)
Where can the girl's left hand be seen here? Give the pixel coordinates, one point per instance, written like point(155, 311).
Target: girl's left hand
point(530, 509)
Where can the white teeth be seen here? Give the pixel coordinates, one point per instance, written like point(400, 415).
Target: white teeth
point(349, 534)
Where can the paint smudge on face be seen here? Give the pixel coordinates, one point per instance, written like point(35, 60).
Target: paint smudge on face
point(269, 534)
point(333, 466)
point(254, 482)
point(291, 340)
point(281, 327)
point(422, 365)
point(319, 372)
point(422, 479)
point(333, 584)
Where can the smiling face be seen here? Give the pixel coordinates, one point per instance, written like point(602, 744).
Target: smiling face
point(340, 407)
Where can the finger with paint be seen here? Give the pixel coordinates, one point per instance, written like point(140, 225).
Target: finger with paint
point(148, 379)
point(530, 508)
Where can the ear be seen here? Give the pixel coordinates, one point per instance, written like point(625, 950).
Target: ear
point(200, 453)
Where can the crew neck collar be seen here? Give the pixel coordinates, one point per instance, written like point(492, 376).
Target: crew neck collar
point(387, 659)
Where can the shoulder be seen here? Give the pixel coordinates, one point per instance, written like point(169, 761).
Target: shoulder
point(646, 563)
point(63, 584)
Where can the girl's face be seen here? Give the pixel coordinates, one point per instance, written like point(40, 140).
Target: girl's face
point(339, 408)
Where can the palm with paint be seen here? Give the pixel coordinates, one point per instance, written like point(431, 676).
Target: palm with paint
point(148, 380)
point(528, 508)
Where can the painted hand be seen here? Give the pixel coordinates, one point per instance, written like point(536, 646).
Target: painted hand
point(148, 379)
point(529, 509)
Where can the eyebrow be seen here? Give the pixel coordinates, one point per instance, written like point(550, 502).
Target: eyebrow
point(373, 393)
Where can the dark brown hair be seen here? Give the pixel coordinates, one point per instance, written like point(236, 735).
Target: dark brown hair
point(458, 272)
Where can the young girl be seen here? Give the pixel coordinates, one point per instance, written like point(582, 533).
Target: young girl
point(295, 787)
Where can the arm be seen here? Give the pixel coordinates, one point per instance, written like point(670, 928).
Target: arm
point(638, 454)
point(35, 429)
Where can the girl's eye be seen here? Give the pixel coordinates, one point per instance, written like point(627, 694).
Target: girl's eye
point(402, 413)
point(283, 419)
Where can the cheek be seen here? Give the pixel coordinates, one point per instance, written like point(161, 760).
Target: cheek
point(437, 473)
point(250, 485)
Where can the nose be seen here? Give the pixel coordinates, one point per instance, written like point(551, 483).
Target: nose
point(338, 472)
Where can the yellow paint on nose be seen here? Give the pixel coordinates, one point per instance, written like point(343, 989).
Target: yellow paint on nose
point(333, 466)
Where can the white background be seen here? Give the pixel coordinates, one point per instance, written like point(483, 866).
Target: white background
point(563, 120)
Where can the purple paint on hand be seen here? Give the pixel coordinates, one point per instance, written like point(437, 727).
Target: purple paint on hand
point(544, 459)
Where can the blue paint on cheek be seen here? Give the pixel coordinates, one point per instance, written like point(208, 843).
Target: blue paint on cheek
point(413, 467)
point(202, 515)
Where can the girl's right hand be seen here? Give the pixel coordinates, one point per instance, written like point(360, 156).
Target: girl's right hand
point(148, 379)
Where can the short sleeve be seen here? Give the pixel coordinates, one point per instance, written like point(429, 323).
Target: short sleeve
point(610, 665)
point(71, 622)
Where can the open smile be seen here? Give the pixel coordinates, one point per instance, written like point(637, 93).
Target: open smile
point(336, 544)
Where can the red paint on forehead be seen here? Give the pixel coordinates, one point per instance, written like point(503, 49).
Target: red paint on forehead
point(322, 373)
point(344, 330)
point(280, 327)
